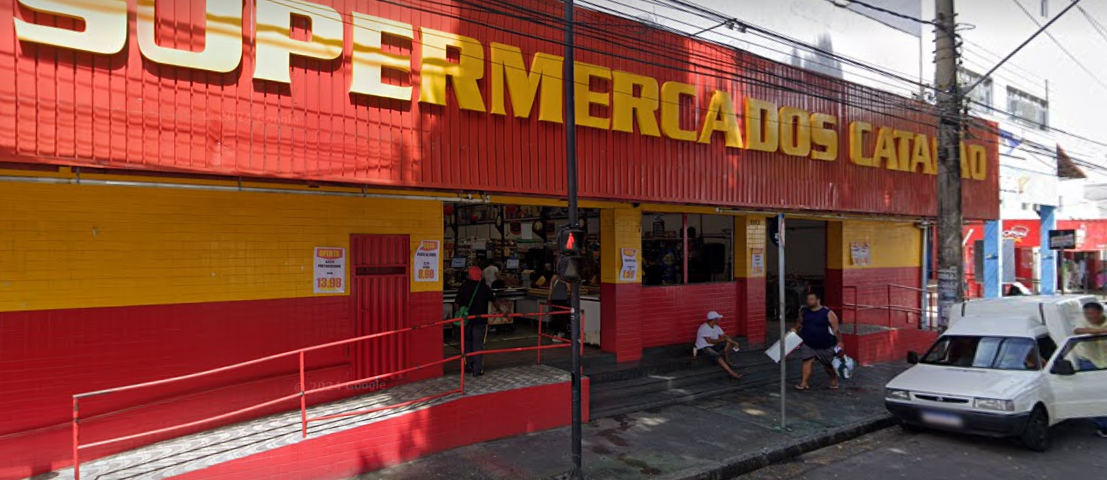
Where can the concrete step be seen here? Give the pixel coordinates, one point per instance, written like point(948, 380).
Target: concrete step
point(655, 391)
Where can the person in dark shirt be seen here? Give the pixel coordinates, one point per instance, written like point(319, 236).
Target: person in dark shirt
point(818, 327)
point(475, 294)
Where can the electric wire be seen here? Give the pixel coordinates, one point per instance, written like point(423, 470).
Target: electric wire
point(1058, 42)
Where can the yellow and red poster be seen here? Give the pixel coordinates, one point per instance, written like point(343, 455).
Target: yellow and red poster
point(757, 262)
point(330, 270)
point(630, 265)
point(426, 261)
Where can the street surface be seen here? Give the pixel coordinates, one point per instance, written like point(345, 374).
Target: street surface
point(895, 454)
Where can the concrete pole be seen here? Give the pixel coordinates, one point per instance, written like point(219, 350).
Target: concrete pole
point(950, 257)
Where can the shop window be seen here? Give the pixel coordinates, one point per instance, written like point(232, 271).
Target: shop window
point(680, 249)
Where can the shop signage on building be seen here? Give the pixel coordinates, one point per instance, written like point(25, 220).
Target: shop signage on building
point(1017, 233)
point(1062, 239)
point(355, 92)
point(769, 127)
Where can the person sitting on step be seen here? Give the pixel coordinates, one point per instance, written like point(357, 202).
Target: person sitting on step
point(712, 343)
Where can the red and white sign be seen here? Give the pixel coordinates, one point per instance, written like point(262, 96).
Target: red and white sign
point(330, 270)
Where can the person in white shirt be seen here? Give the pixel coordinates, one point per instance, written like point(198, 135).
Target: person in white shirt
point(491, 274)
point(1092, 356)
point(712, 343)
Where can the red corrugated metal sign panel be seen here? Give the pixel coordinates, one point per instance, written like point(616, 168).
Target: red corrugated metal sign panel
point(122, 110)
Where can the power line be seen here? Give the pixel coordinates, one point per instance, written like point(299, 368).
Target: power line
point(1098, 27)
point(1021, 45)
point(723, 70)
point(786, 40)
point(847, 3)
point(731, 37)
point(996, 57)
point(1057, 42)
point(720, 16)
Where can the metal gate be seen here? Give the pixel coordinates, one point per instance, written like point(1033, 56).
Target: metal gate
point(380, 302)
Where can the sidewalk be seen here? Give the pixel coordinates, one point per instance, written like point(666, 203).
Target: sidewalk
point(718, 437)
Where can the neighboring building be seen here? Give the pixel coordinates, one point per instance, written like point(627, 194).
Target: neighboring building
point(176, 197)
point(1037, 99)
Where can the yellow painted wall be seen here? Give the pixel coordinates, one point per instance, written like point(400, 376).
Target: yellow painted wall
point(619, 228)
point(891, 245)
point(73, 246)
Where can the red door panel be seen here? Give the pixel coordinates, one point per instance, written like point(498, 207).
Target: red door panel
point(380, 303)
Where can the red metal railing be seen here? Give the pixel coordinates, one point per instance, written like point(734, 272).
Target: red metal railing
point(889, 307)
point(303, 392)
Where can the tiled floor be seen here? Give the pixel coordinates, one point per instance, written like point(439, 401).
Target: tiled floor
point(194, 452)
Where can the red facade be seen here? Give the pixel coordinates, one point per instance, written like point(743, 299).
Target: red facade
point(1091, 236)
point(123, 111)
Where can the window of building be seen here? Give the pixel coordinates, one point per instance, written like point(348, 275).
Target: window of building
point(980, 98)
point(1027, 108)
point(679, 249)
point(1045, 8)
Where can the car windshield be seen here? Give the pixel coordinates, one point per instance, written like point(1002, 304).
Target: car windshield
point(1002, 353)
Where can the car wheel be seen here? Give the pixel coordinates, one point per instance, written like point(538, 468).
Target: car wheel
point(1036, 435)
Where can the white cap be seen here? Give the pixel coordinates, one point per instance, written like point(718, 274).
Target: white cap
point(713, 315)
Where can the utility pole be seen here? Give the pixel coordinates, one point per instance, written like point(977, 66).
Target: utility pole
point(950, 257)
point(577, 473)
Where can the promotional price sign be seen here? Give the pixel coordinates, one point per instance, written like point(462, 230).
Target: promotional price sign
point(630, 265)
point(426, 261)
point(757, 262)
point(330, 270)
point(860, 253)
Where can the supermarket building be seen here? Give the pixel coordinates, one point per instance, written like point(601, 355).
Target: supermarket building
point(168, 188)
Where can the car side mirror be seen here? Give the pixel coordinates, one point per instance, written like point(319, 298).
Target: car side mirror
point(913, 358)
point(1063, 367)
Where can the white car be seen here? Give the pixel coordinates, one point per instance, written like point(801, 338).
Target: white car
point(1006, 367)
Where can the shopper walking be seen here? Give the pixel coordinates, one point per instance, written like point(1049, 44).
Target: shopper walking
point(472, 300)
point(818, 327)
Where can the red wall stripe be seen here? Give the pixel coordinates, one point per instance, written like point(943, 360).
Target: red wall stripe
point(47, 356)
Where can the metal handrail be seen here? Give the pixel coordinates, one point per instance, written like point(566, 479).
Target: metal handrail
point(303, 392)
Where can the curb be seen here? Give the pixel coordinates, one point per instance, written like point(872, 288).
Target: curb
point(739, 465)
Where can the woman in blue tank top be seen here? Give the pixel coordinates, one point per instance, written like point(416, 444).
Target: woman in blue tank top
point(818, 327)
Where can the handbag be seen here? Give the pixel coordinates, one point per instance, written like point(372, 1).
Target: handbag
point(463, 312)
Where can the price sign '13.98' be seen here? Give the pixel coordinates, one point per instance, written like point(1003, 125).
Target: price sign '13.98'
point(330, 270)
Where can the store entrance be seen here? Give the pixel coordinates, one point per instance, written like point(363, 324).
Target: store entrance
point(804, 266)
point(514, 246)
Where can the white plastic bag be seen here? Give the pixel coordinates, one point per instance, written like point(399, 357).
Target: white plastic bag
point(844, 365)
point(791, 342)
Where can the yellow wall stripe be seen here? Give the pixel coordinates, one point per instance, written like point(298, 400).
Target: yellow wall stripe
point(74, 246)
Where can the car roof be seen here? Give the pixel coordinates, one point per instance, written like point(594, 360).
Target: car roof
point(1055, 312)
point(998, 326)
point(1005, 304)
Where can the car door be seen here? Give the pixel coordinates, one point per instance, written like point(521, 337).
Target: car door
point(1077, 377)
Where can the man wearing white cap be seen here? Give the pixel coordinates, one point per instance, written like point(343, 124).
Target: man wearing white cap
point(712, 342)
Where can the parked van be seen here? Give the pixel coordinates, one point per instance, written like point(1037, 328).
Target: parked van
point(1007, 367)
